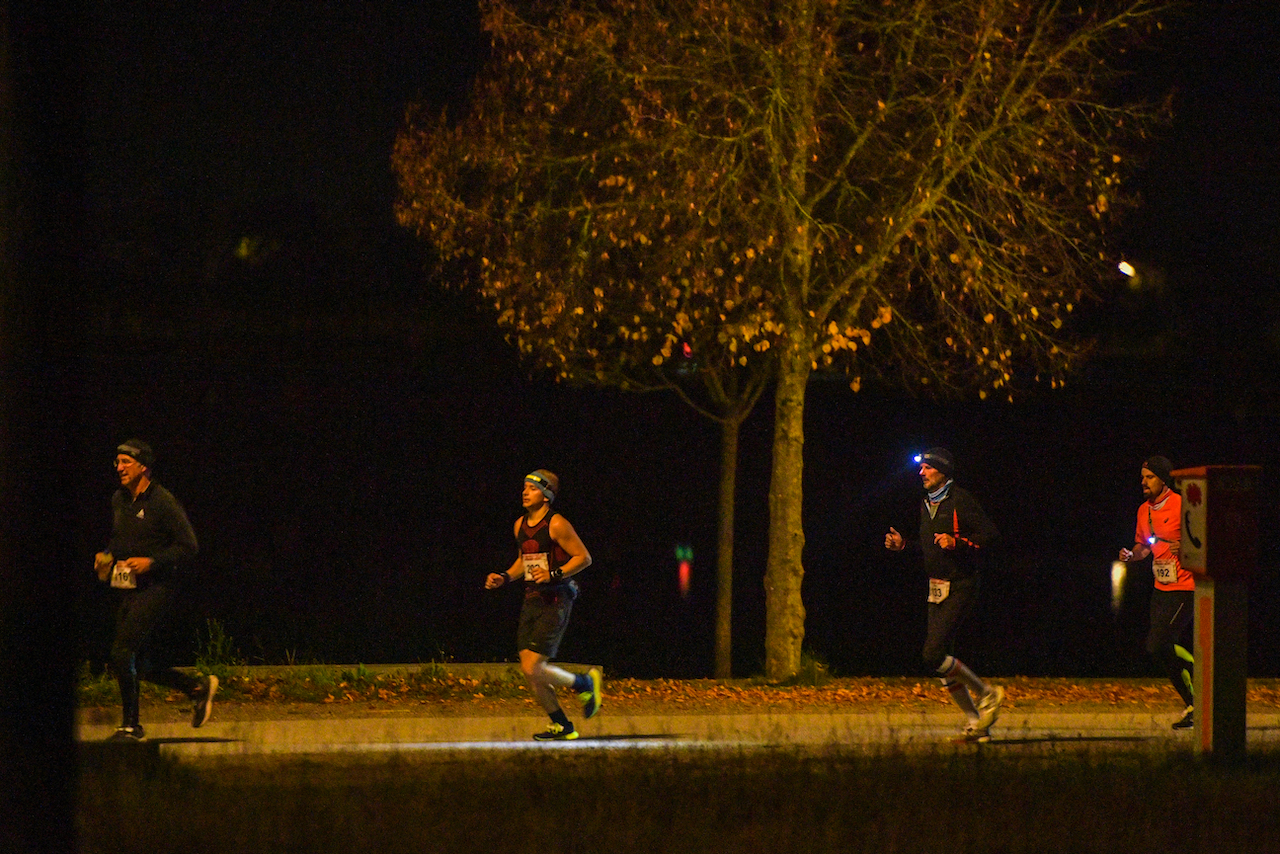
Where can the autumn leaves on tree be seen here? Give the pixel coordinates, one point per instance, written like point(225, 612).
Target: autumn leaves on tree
point(917, 191)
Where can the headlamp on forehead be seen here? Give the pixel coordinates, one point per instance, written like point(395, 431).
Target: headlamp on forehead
point(937, 458)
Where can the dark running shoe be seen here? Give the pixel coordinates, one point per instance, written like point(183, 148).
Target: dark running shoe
point(1188, 719)
point(203, 701)
point(592, 700)
point(128, 734)
point(555, 732)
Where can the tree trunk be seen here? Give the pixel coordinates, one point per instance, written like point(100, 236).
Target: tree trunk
point(784, 610)
point(724, 550)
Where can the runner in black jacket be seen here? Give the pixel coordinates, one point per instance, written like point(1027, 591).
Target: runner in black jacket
point(954, 534)
point(151, 543)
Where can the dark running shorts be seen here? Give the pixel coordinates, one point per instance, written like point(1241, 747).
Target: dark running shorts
point(543, 619)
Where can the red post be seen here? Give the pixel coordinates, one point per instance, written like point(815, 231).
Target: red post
point(1220, 546)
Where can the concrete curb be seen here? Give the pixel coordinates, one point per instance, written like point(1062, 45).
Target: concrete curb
point(888, 728)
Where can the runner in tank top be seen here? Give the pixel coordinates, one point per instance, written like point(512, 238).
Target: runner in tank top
point(550, 555)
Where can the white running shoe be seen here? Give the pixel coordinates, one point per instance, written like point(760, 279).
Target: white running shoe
point(989, 706)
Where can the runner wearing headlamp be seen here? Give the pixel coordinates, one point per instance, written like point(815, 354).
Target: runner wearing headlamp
point(1159, 536)
point(954, 534)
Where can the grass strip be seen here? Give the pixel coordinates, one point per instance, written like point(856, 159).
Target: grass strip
point(969, 800)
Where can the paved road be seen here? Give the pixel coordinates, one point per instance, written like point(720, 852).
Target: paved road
point(876, 729)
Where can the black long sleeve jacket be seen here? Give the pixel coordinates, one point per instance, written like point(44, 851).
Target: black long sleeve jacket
point(960, 515)
point(153, 525)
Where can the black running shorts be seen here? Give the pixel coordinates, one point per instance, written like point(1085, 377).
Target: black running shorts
point(543, 619)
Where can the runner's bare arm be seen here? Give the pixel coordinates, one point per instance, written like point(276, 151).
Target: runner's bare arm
point(1138, 552)
point(496, 579)
point(567, 538)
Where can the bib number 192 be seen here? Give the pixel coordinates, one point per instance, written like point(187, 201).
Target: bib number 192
point(1165, 570)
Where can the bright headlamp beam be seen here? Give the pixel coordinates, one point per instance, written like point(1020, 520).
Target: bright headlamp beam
point(1119, 569)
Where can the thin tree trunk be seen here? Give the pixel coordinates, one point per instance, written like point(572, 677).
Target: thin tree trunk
point(724, 550)
point(784, 617)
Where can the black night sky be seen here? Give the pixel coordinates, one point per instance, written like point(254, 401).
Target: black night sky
point(349, 440)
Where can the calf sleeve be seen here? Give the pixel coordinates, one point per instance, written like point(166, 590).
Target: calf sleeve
point(961, 697)
point(953, 668)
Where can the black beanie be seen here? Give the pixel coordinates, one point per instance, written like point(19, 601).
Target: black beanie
point(139, 450)
point(1161, 468)
point(941, 459)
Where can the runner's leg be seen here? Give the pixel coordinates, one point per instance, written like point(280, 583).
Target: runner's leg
point(1171, 614)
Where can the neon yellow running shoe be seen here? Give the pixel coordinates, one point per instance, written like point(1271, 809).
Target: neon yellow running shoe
point(555, 732)
point(593, 700)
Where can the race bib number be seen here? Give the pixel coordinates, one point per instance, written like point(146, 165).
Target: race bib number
point(939, 590)
point(539, 560)
point(122, 577)
point(1165, 570)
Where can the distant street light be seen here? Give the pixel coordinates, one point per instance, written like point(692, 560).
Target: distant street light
point(1127, 269)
